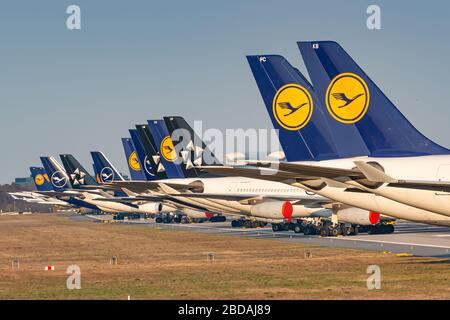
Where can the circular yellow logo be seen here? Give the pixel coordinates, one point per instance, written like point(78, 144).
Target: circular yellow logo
point(292, 106)
point(39, 180)
point(133, 162)
point(167, 149)
point(347, 98)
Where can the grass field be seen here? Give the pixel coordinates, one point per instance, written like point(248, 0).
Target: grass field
point(171, 264)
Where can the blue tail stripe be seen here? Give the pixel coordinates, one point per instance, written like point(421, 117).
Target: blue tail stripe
point(159, 132)
point(44, 182)
point(58, 177)
point(55, 174)
point(315, 141)
point(137, 144)
point(384, 129)
point(135, 173)
point(78, 175)
point(104, 169)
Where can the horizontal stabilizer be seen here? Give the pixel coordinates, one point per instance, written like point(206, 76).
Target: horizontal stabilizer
point(335, 184)
point(251, 172)
point(309, 170)
point(373, 174)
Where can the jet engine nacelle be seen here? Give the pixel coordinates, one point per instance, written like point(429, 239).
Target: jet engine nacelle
point(155, 208)
point(195, 214)
point(358, 216)
point(82, 210)
point(273, 210)
point(285, 210)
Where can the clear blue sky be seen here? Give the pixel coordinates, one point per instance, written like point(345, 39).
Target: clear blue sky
point(67, 91)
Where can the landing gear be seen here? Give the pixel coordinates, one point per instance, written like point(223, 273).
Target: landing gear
point(276, 227)
point(334, 231)
point(165, 218)
point(247, 224)
point(253, 224)
point(124, 215)
point(218, 219)
point(298, 228)
point(324, 231)
point(345, 230)
point(324, 228)
point(310, 230)
point(381, 228)
point(349, 230)
point(236, 223)
point(185, 219)
point(390, 228)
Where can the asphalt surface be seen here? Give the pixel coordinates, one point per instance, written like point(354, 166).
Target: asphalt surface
point(408, 238)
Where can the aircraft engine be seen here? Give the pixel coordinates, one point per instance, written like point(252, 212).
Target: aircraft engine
point(195, 214)
point(358, 216)
point(155, 207)
point(273, 210)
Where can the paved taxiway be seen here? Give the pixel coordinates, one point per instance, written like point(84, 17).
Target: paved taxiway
point(408, 238)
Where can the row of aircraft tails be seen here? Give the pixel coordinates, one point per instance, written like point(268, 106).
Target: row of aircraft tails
point(353, 162)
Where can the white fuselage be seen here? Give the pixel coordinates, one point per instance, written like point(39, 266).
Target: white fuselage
point(247, 188)
point(409, 204)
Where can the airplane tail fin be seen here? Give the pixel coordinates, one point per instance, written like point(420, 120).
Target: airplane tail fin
point(78, 175)
point(104, 169)
point(165, 148)
point(145, 162)
point(41, 179)
point(189, 145)
point(152, 159)
point(352, 99)
point(132, 159)
point(58, 176)
point(292, 104)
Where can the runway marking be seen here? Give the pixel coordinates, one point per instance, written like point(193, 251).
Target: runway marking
point(430, 232)
point(400, 243)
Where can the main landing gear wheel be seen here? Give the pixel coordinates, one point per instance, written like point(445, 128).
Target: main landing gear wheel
point(249, 224)
point(334, 232)
point(185, 220)
point(218, 219)
point(309, 231)
point(324, 232)
point(389, 228)
point(298, 229)
point(177, 219)
point(236, 224)
point(276, 227)
point(346, 231)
